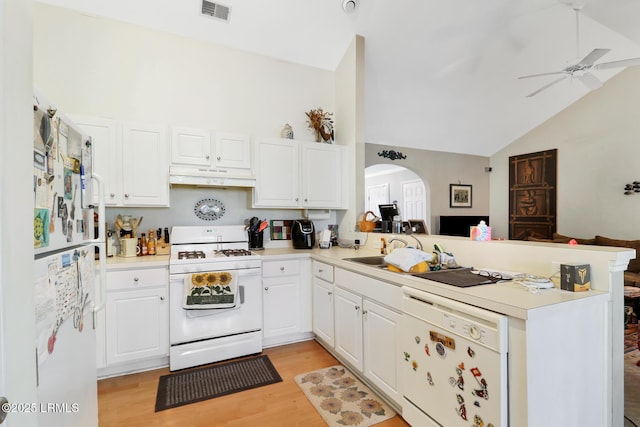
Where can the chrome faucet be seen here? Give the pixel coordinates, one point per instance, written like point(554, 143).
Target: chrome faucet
point(418, 241)
point(394, 239)
point(405, 242)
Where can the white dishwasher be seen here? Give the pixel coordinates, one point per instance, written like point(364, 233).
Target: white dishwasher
point(453, 366)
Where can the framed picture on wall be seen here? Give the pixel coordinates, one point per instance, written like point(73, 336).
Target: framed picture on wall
point(418, 226)
point(459, 196)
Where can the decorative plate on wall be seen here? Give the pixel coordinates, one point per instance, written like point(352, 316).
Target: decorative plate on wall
point(209, 209)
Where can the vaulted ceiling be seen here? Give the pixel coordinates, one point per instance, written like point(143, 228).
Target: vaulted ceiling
point(440, 75)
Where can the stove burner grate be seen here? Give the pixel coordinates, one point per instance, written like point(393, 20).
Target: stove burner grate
point(235, 252)
point(191, 255)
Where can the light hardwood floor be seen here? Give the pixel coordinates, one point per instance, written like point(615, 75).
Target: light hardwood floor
point(129, 401)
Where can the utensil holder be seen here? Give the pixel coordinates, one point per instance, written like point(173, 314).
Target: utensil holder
point(256, 240)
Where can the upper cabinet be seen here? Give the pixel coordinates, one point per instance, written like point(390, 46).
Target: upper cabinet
point(295, 174)
point(131, 158)
point(201, 152)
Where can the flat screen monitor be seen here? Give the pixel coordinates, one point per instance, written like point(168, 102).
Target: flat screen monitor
point(387, 212)
point(459, 225)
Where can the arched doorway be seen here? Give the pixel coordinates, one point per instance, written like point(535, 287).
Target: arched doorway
point(385, 183)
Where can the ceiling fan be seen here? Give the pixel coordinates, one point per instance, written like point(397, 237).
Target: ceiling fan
point(581, 70)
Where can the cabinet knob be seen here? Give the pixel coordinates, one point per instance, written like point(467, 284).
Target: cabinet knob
point(297, 199)
point(207, 157)
point(266, 288)
point(218, 158)
point(282, 268)
point(364, 311)
point(306, 200)
point(329, 293)
point(161, 298)
point(135, 279)
point(320, 270)
point(126, 196)
point(357, 307)
point(112, 195)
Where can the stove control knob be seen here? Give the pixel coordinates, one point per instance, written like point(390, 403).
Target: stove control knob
point(474, 332)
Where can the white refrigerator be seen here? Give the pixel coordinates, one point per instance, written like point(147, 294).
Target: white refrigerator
point(65, 268)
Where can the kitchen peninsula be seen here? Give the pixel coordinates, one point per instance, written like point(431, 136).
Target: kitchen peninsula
point(564, 348)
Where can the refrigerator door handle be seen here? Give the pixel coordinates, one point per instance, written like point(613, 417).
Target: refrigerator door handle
point(99, 304)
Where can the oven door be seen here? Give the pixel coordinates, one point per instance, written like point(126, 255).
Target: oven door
point(194, 325)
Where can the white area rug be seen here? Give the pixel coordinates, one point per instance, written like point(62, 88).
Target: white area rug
point(341, 399)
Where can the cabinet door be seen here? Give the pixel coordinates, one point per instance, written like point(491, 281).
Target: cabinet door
point(137, 325)
point(145, 165)
point(323, 310)
point(281, 306)
point(233, 151)
point(190, 147)
point(380, 327)
point(321, 176)
point(107, 158)
point(348, 327)
point(277, 174)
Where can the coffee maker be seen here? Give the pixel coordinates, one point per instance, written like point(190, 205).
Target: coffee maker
point(303, 234)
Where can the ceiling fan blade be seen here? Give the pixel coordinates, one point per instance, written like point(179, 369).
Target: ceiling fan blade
point(542, 74)
point(618, 64)
point(548, 85)
point(592, 57)
point(590, 81)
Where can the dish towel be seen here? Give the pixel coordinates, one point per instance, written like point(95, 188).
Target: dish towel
point(212, 289)
point(405, 258)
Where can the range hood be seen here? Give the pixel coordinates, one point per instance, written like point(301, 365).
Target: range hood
point(200, 178)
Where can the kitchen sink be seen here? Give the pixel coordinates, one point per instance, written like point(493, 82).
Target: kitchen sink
point(369, 260)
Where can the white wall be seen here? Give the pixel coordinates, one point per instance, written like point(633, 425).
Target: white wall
point(598, 142)
point(100, 67)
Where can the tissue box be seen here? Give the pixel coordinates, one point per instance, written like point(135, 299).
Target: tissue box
point(575, 277)
point(480, 234)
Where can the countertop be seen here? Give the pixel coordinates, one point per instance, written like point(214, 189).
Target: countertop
point(508, 297)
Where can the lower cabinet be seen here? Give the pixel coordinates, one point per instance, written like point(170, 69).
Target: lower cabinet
point(348, 326)
point(323, 303)
point(286, 301)
point(366, 330)
point(136, 320)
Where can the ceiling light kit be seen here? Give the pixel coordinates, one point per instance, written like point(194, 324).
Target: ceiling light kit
point(350, 6)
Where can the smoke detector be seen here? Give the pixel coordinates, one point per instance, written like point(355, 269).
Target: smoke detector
point(350, 5)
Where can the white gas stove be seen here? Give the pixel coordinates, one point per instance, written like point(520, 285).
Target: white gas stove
point(200, 257)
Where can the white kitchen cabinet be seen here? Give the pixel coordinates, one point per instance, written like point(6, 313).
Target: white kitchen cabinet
point(202, 152)
point(380, 332)
point(348, 327)
point(131, 159)
point(323, 291)
point(106, 146)
point(286, 301)
point(366, 328)
point(295, 174)
point(145, 166)
point(136, 318)
point(366, 338)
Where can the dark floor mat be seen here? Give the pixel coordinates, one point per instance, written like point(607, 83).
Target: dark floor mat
point(212, 381)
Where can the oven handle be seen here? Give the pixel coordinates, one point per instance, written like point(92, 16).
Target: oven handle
point(246, 272)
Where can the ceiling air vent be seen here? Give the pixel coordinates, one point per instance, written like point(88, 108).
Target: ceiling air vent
point(216, 10)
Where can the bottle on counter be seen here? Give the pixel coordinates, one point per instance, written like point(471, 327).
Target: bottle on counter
point(144, 250)
point(139, 248)
point(151, 243)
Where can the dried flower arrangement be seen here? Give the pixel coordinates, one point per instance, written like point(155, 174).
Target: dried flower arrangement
point(321, 123)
